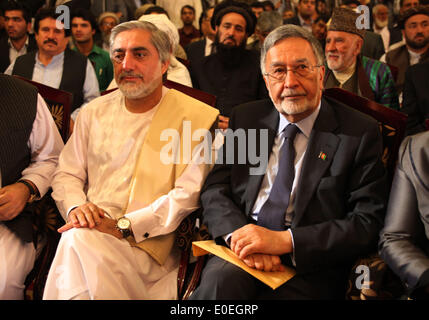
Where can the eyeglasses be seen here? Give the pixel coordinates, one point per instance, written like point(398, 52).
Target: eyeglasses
point(108, 24)
point(280, 73)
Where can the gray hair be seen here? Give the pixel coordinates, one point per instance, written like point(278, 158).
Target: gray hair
point(269, 20)
point(159, 39)
point(291, 31)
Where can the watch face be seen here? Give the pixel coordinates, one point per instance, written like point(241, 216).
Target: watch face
point(124, 223)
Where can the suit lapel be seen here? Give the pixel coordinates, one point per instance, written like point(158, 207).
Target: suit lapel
point(322, 145)
point(270, 122)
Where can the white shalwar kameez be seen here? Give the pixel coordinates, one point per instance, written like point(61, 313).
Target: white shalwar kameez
point(96, 166)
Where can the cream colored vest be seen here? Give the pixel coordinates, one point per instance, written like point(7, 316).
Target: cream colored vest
point(152, 178)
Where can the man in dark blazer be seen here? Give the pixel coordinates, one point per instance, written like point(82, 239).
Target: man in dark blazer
point(306, 11)
point(232, 74)
point(416, 98)
point(337, 199)
point(18, 41)
point(404, 241)
point(197, 50)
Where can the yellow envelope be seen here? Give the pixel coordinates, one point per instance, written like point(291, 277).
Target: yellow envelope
point(272, 279)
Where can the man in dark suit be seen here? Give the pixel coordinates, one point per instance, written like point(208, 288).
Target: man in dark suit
point(17, 42)
point(197, 50)
point(306, 11)
point(414, 24)
point(232, 74)
point(416, 98)
point(404, 241)
point(331, 203)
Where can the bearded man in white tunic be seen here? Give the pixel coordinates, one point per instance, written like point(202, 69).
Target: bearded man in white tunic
point(122, 201)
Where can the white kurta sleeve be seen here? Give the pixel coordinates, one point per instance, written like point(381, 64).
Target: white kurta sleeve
point(71, 175)
point(165, 213)
point(45, 144)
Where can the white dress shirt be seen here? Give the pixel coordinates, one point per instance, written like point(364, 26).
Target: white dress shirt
point(45, 143)
point(13, 53)
point(300, 145)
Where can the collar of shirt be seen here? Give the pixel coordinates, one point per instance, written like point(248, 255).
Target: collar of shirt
point(303, 23)
point(414, 57)
point(59, 58)
point(25, 44)
point(305, 125)
point(208, 48)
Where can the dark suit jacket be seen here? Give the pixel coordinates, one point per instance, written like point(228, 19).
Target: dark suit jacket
point(404, 241)
point(400, 58)
point(416, 97)
point(231, 85)
point(340, 201)
point(195, 51)
point(373, 46)
point(294, 20)
point(4, 51)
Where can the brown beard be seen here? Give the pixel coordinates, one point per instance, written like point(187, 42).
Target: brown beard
point(230, 55)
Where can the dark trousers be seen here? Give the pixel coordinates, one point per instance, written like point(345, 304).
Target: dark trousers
point(221, 280)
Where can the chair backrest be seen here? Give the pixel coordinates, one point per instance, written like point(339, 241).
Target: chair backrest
point(392, 123)
point(59, 103)
point(194, 93)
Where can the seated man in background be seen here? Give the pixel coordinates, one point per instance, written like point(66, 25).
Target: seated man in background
point(197, 50)
point(188, 31)
point(414, 24)
point(18, 41)
point(29, 148)
point(54, 65)
point(232, 73)
point(363, 76)
point(121, 196)
point(416, 98)
point(319, 202)
point(267, 22)
point(106, 22)
point(404, 241)
point(83, 26)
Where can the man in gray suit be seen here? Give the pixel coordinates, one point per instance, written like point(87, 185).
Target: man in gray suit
point(404, 241)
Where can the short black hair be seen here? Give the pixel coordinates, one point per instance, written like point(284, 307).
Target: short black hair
point(48, 13)
point(187, 6)
point(257, 4)
point(157, 9)
point(85, 15)
point(18, 6)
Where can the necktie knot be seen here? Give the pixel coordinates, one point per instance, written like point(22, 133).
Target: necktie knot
point(290, 131)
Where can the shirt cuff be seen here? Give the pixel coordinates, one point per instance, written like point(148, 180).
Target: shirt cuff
point(143, 225)
point(292, 254)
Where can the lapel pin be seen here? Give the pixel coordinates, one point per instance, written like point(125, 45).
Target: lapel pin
point(322, 155)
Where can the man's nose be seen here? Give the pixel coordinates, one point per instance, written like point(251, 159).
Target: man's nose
point(128, 63)
point(291, 80)
point(329, 46)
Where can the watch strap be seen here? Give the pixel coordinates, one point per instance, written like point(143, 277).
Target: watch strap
point(33, 191)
